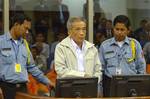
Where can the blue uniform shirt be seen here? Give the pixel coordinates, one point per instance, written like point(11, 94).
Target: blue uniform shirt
point(12, 53)
point(115, 58)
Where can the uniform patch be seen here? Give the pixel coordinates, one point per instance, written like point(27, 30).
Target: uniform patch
point(108, 52)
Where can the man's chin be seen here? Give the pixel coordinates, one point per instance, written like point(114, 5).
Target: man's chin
point(120, 39)
point(81, 40)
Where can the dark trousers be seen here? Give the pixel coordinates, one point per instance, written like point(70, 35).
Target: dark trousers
point(106, 85)
point(9, 89)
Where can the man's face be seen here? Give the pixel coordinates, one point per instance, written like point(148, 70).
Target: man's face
point(27, 26)
point(147, 26)
point(78, 32)
point(22, 30)
point(120, 31)
point(39, 37)
point(109, 25)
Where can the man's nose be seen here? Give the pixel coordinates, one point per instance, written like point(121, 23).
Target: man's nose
point(82, 32)
point(119, 31)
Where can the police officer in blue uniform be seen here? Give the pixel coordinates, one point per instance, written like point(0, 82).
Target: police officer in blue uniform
point(121, 55)
point(16, 59)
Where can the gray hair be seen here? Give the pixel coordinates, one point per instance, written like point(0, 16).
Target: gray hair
point(74, 19)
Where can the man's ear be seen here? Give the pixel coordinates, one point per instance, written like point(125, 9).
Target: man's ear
point(69, 32)
point(129, 30)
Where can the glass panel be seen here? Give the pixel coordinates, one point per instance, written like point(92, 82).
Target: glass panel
point(137, 10)
point(45, 14)
point(49, 19)
point(1, 17)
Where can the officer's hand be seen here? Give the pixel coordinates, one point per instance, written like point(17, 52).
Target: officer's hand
point(51, 85)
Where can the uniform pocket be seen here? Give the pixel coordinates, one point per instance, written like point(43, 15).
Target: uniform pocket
point(111, 59)
point(6, 56)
